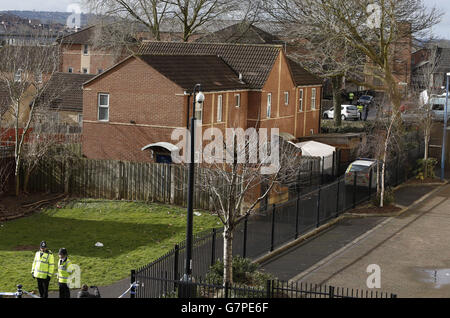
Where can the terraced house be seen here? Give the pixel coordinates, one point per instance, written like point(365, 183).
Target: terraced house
point(140, 100)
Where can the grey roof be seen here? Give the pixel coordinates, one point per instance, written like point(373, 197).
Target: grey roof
point(254, 62)
point(188, 70)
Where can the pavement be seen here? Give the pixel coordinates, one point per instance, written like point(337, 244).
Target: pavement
point(412, 251)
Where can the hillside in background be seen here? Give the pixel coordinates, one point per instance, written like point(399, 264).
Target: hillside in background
point(47, 17)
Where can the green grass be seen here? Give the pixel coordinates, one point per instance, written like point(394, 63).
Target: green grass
point(133, 235)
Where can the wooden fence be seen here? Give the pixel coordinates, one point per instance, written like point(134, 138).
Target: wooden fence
point(117, 180)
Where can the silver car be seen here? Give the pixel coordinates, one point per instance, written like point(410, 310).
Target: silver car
point(438, 108)
point(347, 112)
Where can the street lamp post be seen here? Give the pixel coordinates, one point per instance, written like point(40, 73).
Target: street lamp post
point(198, 97)
point(444, 138)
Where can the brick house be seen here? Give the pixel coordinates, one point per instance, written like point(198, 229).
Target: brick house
point(141, 100)
point(79, 56)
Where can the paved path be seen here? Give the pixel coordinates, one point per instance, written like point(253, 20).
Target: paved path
point(413, 252)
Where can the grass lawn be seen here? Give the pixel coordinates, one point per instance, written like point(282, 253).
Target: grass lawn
point(133, 235)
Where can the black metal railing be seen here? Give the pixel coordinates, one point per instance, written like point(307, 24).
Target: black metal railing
point(264, 231)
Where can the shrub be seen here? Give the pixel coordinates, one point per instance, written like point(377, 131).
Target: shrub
point(426, 165)
point(389, 198)
point(244, 272)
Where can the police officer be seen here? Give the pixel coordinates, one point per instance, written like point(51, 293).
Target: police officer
point(351, 96)
point(43, 268)
point(65, 269)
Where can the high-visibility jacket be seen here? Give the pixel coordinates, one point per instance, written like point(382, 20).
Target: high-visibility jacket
point(43, 265)
point(65, 269)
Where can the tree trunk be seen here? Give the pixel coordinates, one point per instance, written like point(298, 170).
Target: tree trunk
point(227, 256)
point(337, 100)
point(17, 176)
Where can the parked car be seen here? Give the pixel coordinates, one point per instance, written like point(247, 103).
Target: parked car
point(347, 112)
point(365, 100)
point(362, 168)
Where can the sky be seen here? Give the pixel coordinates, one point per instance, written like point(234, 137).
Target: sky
point(442, 30)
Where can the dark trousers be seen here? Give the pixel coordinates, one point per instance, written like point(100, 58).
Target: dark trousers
point(43, 286)
point(64, 291)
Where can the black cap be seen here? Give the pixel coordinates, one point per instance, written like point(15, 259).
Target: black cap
point(62, 251)
point(43, 244)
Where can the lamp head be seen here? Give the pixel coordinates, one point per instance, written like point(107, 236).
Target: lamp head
point(200, 98)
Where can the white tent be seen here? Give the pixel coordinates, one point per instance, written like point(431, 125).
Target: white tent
point(318, 149)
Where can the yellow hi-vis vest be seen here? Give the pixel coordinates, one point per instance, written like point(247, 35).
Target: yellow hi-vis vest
point(43, 265)
point(65, 269)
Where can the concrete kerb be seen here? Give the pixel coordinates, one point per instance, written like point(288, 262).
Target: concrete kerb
point(304, 237)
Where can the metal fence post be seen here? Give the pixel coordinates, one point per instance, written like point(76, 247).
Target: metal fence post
point(310, 173)
point(133, 280)
point(244, 252)
point(272, 239)
point(227, 289)
point(354, 189)
point(175, 262)
point(331, 292)
point(318, 207)
point(396, 170)
point(269, 289)
point(337, 197)
point(323, 168)
point(297, 206)
point(333, 172)
point(370, 183)
point(213, 247)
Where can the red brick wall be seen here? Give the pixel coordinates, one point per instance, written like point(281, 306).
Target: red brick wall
point(136, 93)
point(71, 57)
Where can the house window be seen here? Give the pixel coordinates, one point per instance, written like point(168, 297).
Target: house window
point(70, 70)
point(286, 98)
point(269, 104)
point(86, 49)
point(103, 107)
point(313, 98)
point(39, 77)
point(54, 117)
point(80, 120)
point(85, 70)
point(237, 98)
point(300, 107)
point(99, 71)
point(219, 108)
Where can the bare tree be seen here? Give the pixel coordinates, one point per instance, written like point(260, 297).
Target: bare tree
point(424, 87)
point(149, 13)
point(239, 174)
point(326, 54)
point(372, 28)
point(24, 72)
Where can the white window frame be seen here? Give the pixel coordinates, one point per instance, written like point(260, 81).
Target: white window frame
point(85, 68)
point(301, 98)
point(313, 98)
point(237, 98)
point(85, 49)
point(102, 106)
point(286, 98)
point(269, 105)
point(219, 108)
point(80, 120)
point(18, 76)
point(70, 69)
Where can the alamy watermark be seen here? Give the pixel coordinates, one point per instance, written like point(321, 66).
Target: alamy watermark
point(374, 279)
point(248, 146)
point(74, 20)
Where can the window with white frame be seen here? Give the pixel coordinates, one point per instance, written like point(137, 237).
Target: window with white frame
point(300, 107)
point(219, 108)
point(313, 98)
point(80, 120)
point(86, 49)
point(70, 69)
point(237, 98)
point(103, 107)
point(85, 70)
point(269, 104)
point(286, 98)
point(18, 76)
